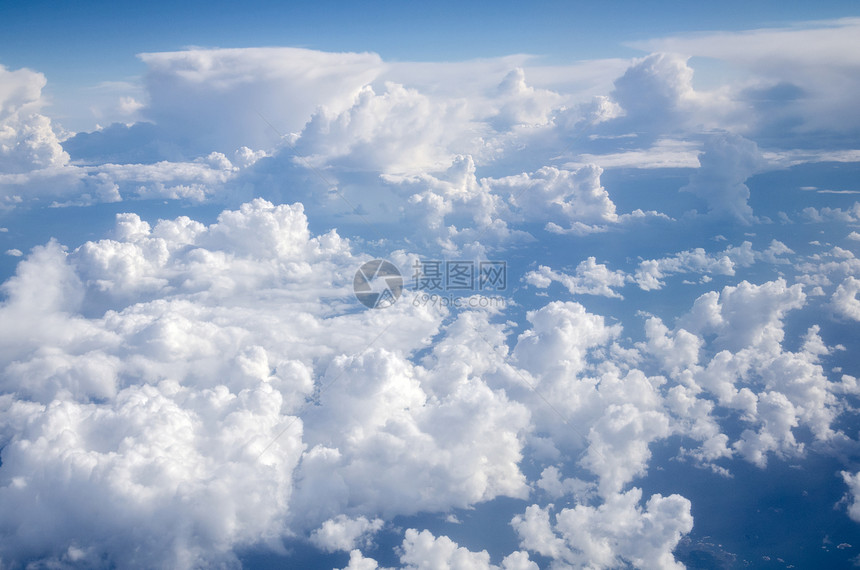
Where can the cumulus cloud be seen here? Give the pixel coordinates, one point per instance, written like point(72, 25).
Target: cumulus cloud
point(216, 333)
point(156, 464)
point(726, 162)
point(775, 391)
point(794, 80)
point(616, 533)
point(590, 278)
point(220, 333)
point(175, 392)
point(423, 551)
point(745, 315)
point(555, 485)
point(193, 182)
point(380, 444)
point(400, 130)
point(566, 200)
point(457, 207)
point(522, 104)
point(844, 300)
point(825, 214)
point(651, 272)
point(853, 482)
point(655, 92)
point(229, 89)
point(559, 340)
point(344, 533)
point(589, 405)
point(27, 139)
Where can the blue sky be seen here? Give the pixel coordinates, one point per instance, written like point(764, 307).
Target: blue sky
point(667, 378)
point(96, 41)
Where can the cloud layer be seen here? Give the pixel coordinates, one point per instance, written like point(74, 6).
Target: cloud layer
point(188, 386)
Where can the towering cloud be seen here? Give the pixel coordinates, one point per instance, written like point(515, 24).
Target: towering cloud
point(27, 139)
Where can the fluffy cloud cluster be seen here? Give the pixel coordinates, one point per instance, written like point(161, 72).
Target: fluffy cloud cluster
point(774, 391)
point(27, 139)
point(617, 533)
point(236, 92)
point(845, 300)
point(399, 130)
point(457, 207)
point(423, 551)
point(651, 272)
point(164, 370)
point(176, 392)
point(590, 278)
point(168, 371)
point(727, 351)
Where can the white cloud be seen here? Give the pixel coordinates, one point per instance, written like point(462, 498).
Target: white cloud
point(522, 104)
point(656, 92)
point(381, 444)
point(793, 157)
point(84, 185)
point(618, 532)
point(651, 272)
point(357, 561)
point(555, 347)
point(664, 153)
point(455, 207)
point(745, 315)
point(224, 328)
point(230, 327)
point(590, 278)
point(849, 215)
point(175, 367)
point(344, 533)
point(727, 161)
point(423, 551)
point(583, 400)
point(400, 130)
point(155, 464)
point(552, 482)
point(562, 198)
point(774, 391)
point(229, 89)
point(799, 77)
point(27, 140)
point(853, 482)
point(618, 444)
point(454, 196)
point(677, 351)
point(844, 300)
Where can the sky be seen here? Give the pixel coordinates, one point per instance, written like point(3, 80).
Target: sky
point(424, 286)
